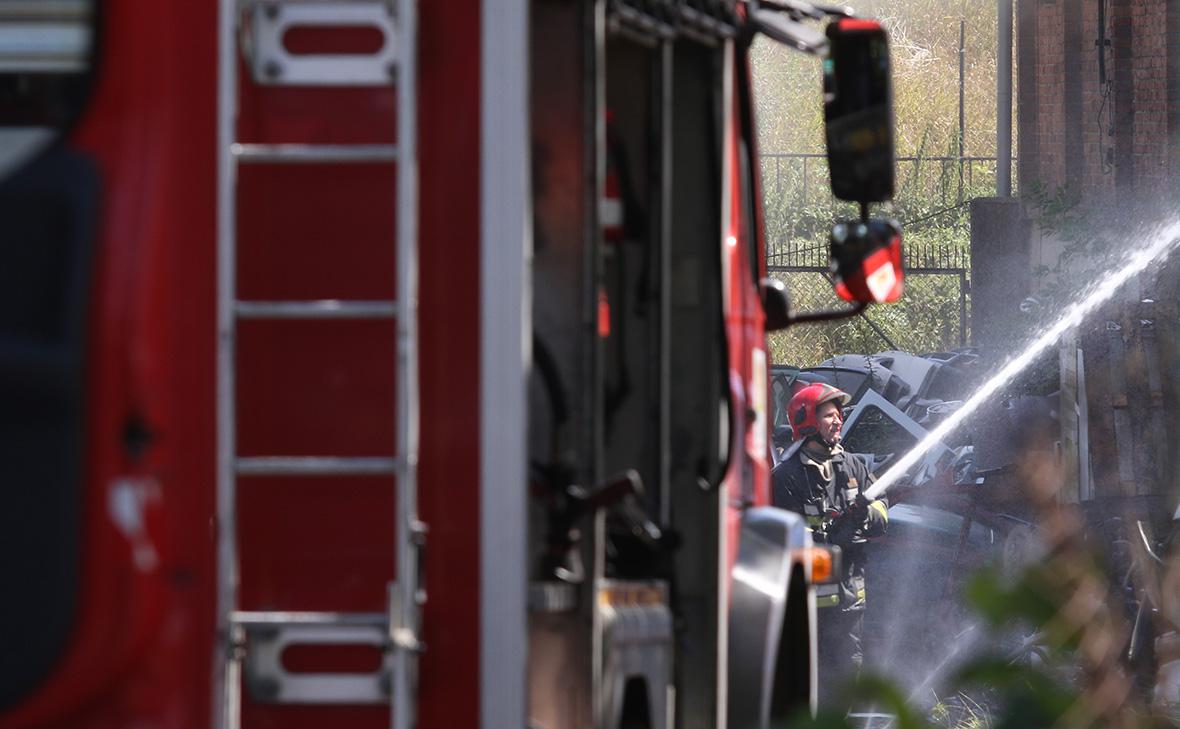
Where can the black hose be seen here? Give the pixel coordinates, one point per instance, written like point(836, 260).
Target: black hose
point(550, 377)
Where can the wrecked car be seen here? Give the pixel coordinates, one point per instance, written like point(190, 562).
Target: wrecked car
point(953, 512)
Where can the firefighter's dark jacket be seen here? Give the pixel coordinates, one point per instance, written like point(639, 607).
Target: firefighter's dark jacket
point(827, 505)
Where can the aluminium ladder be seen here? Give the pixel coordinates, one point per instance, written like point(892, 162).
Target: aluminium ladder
point(396, 630)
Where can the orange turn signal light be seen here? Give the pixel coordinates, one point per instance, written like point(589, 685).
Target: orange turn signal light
point(822, 566)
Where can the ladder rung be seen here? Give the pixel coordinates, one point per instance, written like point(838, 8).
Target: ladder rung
point(314, 153)
point(263, 638)
point(271, 618)
point(322, 309)
point(315, 466)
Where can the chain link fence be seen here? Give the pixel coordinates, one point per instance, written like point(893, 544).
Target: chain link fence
point(934, 317)
point(802, 177)
point(931, 204)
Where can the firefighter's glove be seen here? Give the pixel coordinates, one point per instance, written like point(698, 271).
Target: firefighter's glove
point(846, 526)
point(876, 517)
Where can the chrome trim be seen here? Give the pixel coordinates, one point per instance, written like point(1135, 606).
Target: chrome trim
point(270, 634)
point(272, 64)
point(254, 618)
point(405, 593)
point(45, 10)
point(315, 466)
point(505, 313)
point(227, 659)
point(322, 309)
point(314, 153)
point(44, 47)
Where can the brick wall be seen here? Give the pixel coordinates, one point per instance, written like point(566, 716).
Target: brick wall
point(1118, 143)
point(1149, 61)
point(1050, 83)
point(1103, 138)
point(1098, 106)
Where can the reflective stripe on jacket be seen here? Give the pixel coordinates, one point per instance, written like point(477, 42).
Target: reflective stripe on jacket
point(799, 485)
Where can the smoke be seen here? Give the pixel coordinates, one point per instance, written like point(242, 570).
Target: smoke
point(917, 630)
point(1158, 246)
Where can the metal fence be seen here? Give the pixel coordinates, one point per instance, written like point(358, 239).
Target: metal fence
point(933, 315)
point(802, 177)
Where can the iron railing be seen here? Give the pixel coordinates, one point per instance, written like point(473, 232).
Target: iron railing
point(806, 172)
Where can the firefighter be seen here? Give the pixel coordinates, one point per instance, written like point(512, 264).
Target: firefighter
point(826, 485)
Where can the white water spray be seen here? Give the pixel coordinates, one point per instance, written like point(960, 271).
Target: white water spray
point(1162, 244)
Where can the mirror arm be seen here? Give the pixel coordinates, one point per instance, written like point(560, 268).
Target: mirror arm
point(837, 11)
point(788, 31)
point(829, 314)
point(799, 9)
point(796, 9)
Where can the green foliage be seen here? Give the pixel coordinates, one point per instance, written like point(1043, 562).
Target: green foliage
point(878, 691)
point(1032, 598)
point(1056, 644)
point(929, 317)
point(1055, 657)
point(961, 712)
point(1086, 237)
point(1031, 697)
point(932, 188)
point(925, 43)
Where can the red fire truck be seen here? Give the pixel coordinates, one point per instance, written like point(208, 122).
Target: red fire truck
point(371, 363)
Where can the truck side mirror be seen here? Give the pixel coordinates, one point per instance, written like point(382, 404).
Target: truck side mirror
point(776, 304)
point(866, 261)
point(858, 111)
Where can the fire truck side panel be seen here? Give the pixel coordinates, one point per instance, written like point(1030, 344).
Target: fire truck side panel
point(144, 578)
point(771, 672)
point(755, 224)
point(657, 336)
point(562, 130)
point(448, 476)
point(699, 408)
point(771, 646)
point(315, 388)
point(45, 274)
point(330, 231)
point(506, 355)
point(308, 388)
point(561, 117)
point(632, 353)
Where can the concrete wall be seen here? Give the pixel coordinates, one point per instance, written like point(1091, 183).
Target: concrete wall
point(1001, 271)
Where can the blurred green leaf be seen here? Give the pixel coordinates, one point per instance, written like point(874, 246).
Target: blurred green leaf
point(884, 694)
point(824, 719)
point(1024, 711)
point(1016, 681)
point(1030, 598)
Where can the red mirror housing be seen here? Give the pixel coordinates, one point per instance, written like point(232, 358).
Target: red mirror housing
point(866, 261)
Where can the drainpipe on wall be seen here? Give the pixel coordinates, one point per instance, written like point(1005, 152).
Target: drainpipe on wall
point(1004, 98)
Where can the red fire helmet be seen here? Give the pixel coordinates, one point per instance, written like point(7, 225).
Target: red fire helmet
point(804, 404)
